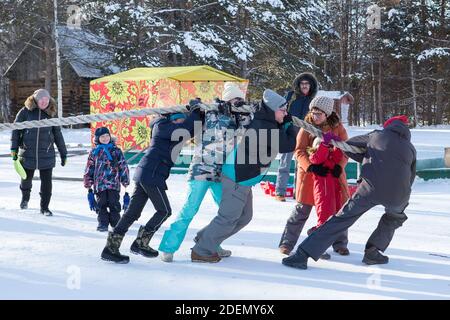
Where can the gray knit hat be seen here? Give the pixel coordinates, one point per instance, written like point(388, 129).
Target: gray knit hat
point(273, 100)
point(40, 93)
point(323, 103)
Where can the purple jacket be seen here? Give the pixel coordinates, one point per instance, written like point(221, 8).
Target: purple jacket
point(104, 174)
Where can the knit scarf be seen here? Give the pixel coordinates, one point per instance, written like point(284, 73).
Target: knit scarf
point(106, 148)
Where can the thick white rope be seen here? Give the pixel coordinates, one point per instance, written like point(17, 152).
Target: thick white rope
point(318, 133)
point(83, 119)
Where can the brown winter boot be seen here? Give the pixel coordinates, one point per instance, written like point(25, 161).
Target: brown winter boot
point(342, 251)
point(205, 259)
point(285, 250)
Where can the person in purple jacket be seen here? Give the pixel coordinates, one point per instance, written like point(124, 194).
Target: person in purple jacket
point(106, 169)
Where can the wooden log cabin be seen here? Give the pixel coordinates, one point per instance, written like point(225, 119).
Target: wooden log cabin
point(82, 59)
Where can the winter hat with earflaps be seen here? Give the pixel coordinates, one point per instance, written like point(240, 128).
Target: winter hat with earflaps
point(40, 93)
point(323, 103)
point(273, 100)
point(231, 91)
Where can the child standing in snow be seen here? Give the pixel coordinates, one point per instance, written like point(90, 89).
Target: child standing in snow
point(106, 169)
point(326, 184)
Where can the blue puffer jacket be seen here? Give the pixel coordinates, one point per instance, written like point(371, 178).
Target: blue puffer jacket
point(154, 167)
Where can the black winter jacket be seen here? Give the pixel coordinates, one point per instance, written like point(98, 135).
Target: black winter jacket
point(389, 164)
point(36, 146)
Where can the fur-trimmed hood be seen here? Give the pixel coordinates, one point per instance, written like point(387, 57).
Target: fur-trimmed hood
point(309, 77)
point(51, 110)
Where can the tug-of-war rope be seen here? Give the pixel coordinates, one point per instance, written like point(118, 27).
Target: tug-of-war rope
point(82, 119)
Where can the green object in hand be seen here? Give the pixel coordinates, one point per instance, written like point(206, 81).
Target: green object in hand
point(19, 169)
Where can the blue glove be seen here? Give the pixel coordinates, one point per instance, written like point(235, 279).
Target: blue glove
point(91, 199)
point(126, 201)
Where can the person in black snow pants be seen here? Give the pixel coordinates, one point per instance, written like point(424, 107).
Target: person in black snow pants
point(106, 169)
point(387, 174)
point(150, 183)
point(35, 147)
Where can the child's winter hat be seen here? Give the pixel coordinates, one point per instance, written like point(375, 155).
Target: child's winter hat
point(99, 132)
point(317, 141)
point(401, 118)
point(273, 100)
point(323, 103)
point(231, 91)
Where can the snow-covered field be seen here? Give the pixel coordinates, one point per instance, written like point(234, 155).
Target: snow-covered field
point(58, 257)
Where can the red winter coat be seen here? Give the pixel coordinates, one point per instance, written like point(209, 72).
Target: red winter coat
point(327, 195)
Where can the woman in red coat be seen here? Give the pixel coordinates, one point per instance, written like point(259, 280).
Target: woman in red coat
point(326, 186)
point(323, 117)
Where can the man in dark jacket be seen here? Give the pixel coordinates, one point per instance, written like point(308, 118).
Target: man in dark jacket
point(387, 174)
point(150, 179)
point(304, 89)
point(35, 147)
point(244, 167)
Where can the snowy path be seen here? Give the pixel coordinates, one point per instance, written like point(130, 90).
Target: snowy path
point(40, 257)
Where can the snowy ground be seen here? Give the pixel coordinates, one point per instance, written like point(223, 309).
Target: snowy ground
point(58, 257)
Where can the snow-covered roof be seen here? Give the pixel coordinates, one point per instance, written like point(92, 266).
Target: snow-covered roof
point(337, 95)
point(88, 54)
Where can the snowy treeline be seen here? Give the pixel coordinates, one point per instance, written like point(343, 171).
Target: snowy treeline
point(399, 65)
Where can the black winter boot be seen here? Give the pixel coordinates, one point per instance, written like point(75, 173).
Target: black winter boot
point(45, 201)
point(298, 260)
point(46, 212)
point(24, 204)
point(25, 198)
point(140, 245)
point(111, 251)
point(373, 256)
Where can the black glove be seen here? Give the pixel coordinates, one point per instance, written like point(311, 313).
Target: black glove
point(223, 107)
point(318, 169)
point(337, 171)
point(239, 103)
point(63, 160)
point(287, 118)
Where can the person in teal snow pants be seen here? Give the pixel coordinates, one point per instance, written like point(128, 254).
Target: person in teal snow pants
point(205, 169)
point(174, 236)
